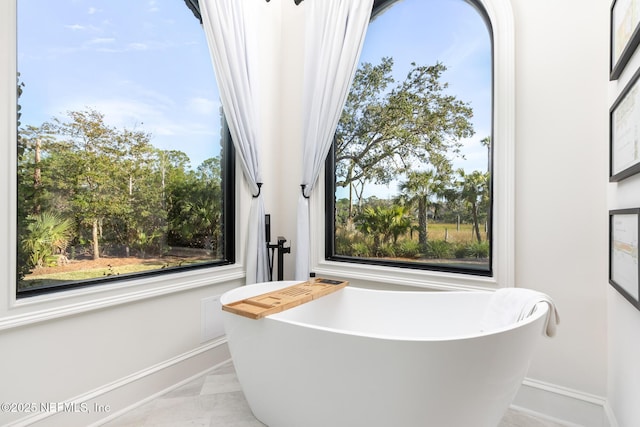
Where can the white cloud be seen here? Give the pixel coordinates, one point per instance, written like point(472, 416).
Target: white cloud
point(137, 46)
point(154, 114)
point(76, 27)
point(101, 40)
point(152, 6)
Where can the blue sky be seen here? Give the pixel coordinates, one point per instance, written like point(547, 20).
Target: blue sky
point(145, 64)
point(448, 31)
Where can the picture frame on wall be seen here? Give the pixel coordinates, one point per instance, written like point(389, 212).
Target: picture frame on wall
point(625, 34)
point(624, 269)
point(624, 132)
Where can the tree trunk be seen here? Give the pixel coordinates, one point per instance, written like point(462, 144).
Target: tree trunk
point(476, 226)
point(350, 201)
point(422, 221)
point(94, 235)
point(37, 178)
point(350, 184)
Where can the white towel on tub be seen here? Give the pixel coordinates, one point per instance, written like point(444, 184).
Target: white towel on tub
point(510, 305)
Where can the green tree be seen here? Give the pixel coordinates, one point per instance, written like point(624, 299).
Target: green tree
point(210, 172)
point(385, 130)
point(47, 234)
point(474, 191)
point(84, 167)
point(385, 223)
point(117, 190)
point(417, 189)
point(142, 221)
point(22, 261)
point(486, 142)
point(195, 207)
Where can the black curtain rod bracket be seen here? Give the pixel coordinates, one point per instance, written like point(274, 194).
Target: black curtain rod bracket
point(297, 2)
point(302, 188)
point(259, 184)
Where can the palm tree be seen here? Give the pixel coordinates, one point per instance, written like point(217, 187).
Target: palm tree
point(385, 223)
point(47, 234)
point(418, 188)
point(486, 142)
point(474, 190)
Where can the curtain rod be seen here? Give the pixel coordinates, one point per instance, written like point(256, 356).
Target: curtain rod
point(194, 6)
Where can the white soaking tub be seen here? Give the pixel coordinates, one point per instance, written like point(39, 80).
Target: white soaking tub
point(370, 358)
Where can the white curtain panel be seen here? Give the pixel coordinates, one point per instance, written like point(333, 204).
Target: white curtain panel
point(335, 32)
point(231, 30)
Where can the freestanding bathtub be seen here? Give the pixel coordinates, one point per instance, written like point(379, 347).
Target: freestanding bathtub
point(367, 358)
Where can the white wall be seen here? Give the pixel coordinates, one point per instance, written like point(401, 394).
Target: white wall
point(561, 180)
point(561, 185)
point(623, 319)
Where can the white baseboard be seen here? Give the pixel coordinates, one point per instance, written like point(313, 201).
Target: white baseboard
point(544, 400)
point(111, 400)
point(610, 416)
point(563, 405)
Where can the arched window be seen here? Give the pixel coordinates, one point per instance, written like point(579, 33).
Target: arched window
point(410, 178)
point(124, 159)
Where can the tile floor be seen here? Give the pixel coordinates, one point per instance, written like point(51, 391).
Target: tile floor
point(216, 400)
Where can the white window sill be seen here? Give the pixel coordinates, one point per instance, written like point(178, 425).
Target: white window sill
point(41, 308)
point(380, 276)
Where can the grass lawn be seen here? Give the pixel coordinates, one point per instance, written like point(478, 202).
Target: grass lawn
point(438, 231)
point(78, 271)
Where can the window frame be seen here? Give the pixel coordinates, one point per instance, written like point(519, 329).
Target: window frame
point(380, 7)
point(498, 17)
point(33, 307)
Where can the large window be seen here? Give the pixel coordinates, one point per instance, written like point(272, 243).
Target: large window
point(409, 178)
point(125, 165)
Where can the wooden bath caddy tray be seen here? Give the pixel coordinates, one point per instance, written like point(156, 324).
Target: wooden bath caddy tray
point(285, 298)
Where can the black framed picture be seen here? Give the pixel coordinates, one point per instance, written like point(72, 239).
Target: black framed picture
point(625, 34)
point(624, 270)
point(624, 132)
